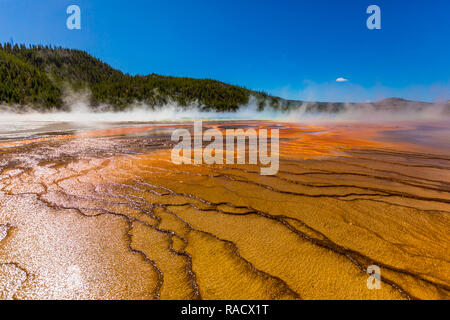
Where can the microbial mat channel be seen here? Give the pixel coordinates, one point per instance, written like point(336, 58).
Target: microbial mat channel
point(105, 214)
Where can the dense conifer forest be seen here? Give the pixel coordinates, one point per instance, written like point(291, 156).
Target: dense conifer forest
point(40, 76)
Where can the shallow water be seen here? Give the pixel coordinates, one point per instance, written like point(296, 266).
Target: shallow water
point(79, 199)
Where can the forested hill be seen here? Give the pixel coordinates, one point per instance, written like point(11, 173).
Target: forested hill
point(39, 76)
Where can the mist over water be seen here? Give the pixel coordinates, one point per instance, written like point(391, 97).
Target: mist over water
point(81, 113)
point(29, 122)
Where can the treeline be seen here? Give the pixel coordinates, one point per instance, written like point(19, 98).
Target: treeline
point(39, 75)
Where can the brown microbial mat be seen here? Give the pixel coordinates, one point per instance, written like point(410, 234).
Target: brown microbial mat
point(105, 214)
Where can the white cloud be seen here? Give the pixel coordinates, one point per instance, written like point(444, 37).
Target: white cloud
point(340, 79)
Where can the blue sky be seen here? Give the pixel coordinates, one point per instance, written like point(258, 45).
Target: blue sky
point(291, 48)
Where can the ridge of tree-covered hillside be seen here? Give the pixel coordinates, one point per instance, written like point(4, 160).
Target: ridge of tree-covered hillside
point(39, 76)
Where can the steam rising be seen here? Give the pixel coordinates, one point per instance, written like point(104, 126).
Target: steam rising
point(81, 113)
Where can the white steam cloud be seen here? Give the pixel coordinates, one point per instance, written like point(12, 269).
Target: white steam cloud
point(81, 116)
